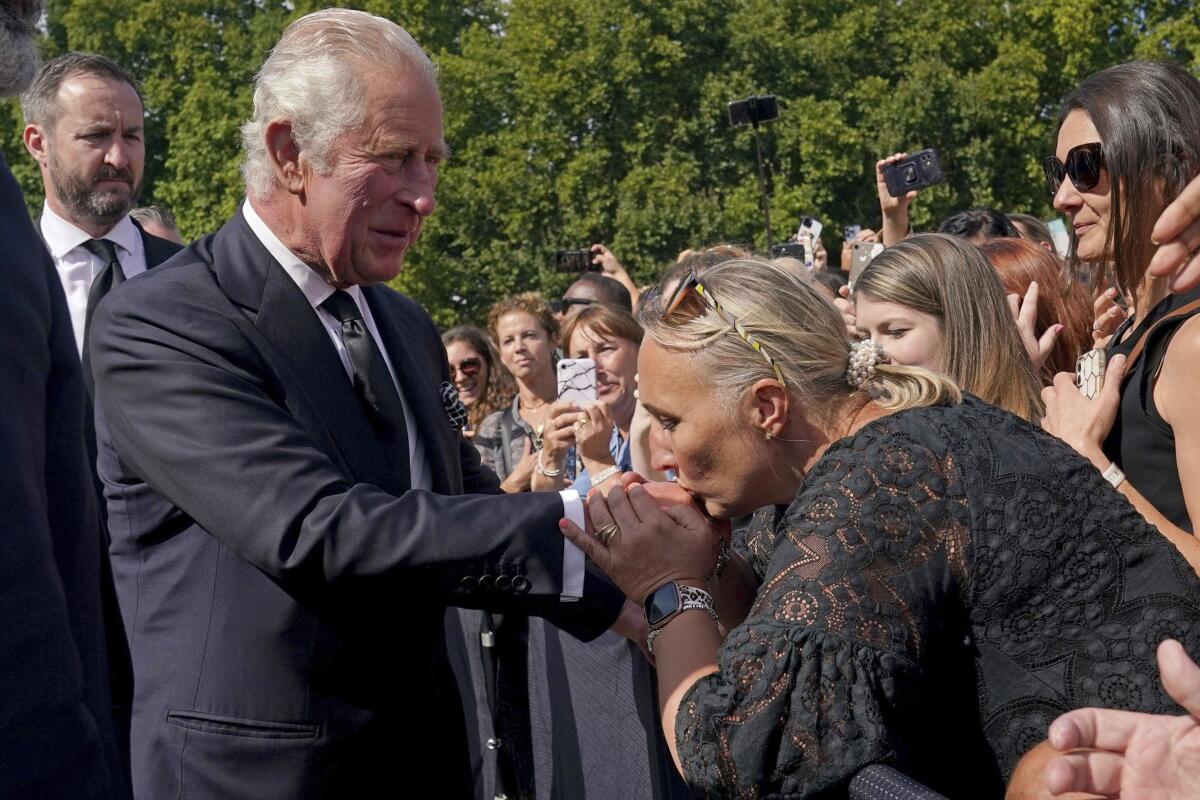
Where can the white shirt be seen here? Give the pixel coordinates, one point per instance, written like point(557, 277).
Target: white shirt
point(78, 267)
point(316, 290)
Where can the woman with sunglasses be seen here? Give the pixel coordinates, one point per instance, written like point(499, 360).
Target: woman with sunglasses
point(934, 301)
point(483, 385)
point(1127, 142)
point(938, 579)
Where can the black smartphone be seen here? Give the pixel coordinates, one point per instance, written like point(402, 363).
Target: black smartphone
point(753, 110)
point(914, 172)
point(574, 261)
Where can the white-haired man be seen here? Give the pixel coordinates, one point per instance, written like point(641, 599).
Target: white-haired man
point(281, 451)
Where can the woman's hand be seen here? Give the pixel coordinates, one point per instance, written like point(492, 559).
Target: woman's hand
point(593, 434)
point(519, 478)
point(1024, 314)
point(559, 433)
point(894, 209)
point(845, 305)
point(1108, 316)
point(1177, 233)
point(649, 545)
point(1078, 421)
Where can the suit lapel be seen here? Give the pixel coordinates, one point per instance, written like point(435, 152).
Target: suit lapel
point(302, 349)
point(419, 382)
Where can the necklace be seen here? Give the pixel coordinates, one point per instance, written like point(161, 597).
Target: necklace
point(540, 427)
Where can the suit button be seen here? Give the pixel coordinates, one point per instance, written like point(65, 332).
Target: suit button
point(520, 584)
point(504, 583)
point(487, 582)
point(468, 583)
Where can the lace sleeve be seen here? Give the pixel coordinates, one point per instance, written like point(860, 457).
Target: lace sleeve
point(812, 685)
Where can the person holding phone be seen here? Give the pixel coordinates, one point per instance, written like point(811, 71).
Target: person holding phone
point(1113, 178)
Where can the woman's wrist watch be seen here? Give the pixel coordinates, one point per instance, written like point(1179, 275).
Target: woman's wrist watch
point(669, 601)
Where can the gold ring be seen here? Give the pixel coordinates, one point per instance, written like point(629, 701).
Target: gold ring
point(578, 425)
point(605, 533)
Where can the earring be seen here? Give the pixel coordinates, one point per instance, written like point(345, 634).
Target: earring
point(769, 436)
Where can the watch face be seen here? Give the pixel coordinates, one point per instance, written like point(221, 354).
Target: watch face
point(662, 604)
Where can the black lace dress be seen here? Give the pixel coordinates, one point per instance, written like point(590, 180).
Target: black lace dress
point(947, 581)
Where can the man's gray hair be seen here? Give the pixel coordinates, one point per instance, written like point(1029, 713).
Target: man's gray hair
point(314, 77)
point(155, 215)
point(39, 102)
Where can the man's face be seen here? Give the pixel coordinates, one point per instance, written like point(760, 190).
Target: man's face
point(363, 216)
point(93, 157)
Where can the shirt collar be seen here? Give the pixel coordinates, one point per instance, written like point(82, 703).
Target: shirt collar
point(63, 236)
point(314, 287)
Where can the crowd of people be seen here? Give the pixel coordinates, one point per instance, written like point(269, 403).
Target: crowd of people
point(270, 534)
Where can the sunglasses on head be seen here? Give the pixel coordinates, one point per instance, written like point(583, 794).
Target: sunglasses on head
point(692, 282)
point(1083, 166)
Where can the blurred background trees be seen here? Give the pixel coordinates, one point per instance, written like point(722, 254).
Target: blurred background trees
point(576, 121)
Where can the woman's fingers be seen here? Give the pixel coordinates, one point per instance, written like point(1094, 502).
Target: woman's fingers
point(1097, 773)
point(1045, 344)
point(623, 512)
point(1181, 214)
point(591, 547)
point(1180, 259)
point(1180, 675)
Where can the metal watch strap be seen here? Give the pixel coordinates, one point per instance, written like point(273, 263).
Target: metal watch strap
point(691, 598)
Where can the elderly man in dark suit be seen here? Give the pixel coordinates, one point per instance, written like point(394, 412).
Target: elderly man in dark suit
point(56, 731)
point(284, 467)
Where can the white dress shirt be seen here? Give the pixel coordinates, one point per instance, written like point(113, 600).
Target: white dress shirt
point(316, 290)
point(78, 267)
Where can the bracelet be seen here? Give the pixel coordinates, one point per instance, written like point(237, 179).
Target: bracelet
point(549, 473)
point(722, 560)
point(700, 601)
point(1113, 475)
point(601, 477)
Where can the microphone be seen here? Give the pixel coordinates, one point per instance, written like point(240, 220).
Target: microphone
point(880, 782)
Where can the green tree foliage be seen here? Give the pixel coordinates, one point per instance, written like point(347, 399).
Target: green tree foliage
point(575, 121)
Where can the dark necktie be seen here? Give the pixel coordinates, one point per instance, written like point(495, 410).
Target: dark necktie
point(372, 382)
point(105, 281)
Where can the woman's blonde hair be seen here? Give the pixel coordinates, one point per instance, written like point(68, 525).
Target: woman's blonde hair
point(949, 278)
point(799, 329)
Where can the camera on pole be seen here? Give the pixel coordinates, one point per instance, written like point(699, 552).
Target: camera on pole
point(752, 111)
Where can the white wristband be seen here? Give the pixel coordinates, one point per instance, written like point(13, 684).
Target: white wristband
point(1114, 475)
point(601, 477)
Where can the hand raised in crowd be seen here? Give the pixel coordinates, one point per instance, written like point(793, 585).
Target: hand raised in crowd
point(1177, 233)
point(612, 268)
point(864, 235)
point(895, 209)
point(559, 434)
point(1131, 755)
point(518, 480)
point(1024, 312)
point(641, 545)
point(845, 305)
point(820, 255)
point(1081, 422)
point(1108, 316)
point(593, 433)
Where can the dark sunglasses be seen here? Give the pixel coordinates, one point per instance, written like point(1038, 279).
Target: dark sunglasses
point(692, 282)
point(1083, 166)
point(567, 302)
point(468, 366)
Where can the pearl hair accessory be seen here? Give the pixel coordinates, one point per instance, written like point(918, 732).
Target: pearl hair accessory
point(864, 355)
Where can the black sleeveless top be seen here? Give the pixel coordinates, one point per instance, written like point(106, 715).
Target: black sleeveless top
point(1141, 442)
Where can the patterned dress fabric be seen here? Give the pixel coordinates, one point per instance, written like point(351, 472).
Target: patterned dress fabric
point(947, 582)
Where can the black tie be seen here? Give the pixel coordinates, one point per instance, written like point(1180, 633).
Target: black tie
point(372, 381)
point(109, 277)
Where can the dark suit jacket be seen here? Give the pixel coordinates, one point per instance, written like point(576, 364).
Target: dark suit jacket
point(282, 596)
point(56, 732)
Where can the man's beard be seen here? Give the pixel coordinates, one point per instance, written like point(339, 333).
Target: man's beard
point(83, 202)
point(18, 46)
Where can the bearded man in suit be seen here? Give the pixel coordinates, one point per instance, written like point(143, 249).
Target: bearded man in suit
point(284, 467)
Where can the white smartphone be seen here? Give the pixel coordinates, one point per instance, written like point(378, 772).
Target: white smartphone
point(1089, 373)
point(811, 226)
point(577, 381)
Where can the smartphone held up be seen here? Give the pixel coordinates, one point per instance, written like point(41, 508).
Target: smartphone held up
point(913, 172)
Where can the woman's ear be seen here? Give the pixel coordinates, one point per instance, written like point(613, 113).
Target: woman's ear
point(769, 407)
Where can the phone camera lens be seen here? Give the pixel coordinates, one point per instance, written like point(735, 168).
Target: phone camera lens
point(910, 174)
